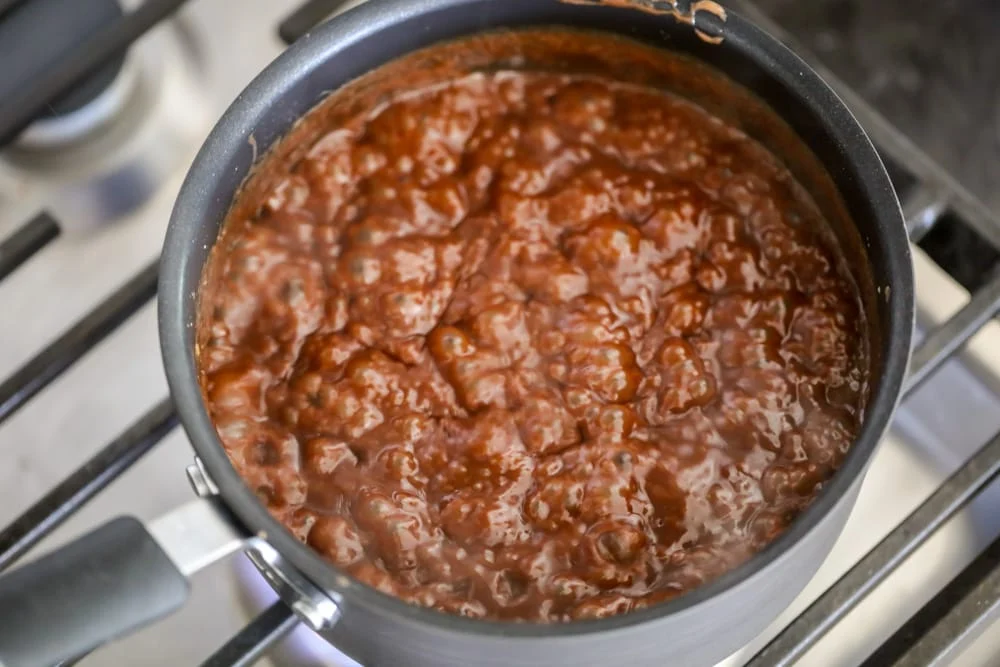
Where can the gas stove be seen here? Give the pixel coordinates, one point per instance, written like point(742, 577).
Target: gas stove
point(85, 194)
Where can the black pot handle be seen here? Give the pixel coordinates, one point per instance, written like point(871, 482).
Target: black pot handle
point(108, 583)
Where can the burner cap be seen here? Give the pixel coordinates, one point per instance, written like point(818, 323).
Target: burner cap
point(38, 35)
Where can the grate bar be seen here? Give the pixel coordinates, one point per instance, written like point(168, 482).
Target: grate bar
point(103, 46)
point(90, 479)
point(947, 339)
point(26, 241)
point(51, 362)
point(945, 626)
point(256, 639)
point(922, 209)
point(838, 600)
point(307, 17)
point(7, 5)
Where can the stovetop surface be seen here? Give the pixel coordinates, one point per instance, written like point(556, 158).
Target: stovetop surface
point(932, 71)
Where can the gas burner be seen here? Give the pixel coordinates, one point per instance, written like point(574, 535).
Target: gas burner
point(101, 160)
point(65, 126)
point(65, 25)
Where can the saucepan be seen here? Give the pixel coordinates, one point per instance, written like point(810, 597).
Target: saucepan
point(126, 574)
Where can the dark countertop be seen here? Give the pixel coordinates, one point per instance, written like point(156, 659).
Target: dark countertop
point(932, 68)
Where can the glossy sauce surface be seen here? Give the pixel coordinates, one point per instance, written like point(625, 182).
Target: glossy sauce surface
point(534, 346)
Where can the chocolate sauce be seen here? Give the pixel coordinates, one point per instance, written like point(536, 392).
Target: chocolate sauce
point(533, 346)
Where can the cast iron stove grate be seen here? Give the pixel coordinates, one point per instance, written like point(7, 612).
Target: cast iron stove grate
point(933, 203)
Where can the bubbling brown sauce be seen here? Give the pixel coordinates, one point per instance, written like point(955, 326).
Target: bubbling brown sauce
point(533, 346)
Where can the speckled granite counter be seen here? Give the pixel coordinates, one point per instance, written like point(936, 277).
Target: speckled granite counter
point(932, 68)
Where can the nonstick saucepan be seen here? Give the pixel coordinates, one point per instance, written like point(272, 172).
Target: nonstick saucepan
point(126, 574)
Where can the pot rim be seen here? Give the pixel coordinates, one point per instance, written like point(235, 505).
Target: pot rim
point(177, 308)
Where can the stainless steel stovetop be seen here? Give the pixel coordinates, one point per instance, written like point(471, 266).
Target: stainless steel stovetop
point(112, 195)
